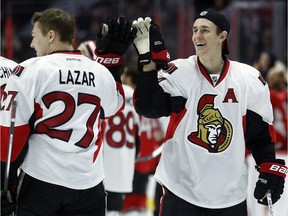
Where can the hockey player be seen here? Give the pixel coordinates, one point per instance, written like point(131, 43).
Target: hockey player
point(120, 140)
point(151, 137)
point(6, 68)
point(216, 106)
point(62, 95)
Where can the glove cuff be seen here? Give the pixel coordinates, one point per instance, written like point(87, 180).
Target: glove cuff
point(162, 55)
point(161, 59)
point(274, 168)
point(143, 59)
point(109, 59)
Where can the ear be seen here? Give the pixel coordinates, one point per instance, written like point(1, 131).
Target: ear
point(51, 35)
point(223, 35)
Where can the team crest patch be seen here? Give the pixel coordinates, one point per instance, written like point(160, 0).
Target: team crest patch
point(214, 132)
point(17, 70)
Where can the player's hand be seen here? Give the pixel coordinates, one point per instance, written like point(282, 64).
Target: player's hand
point(149, 44)
point(271, 178)
point(8, 203)
point(113, 40)
point(142, 41)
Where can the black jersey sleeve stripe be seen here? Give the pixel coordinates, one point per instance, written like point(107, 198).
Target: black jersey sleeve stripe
point(258, 138)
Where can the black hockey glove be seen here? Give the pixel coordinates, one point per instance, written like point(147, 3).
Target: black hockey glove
point(113, 40)
point(8, 201)
point(149, 44)
point(271, 178)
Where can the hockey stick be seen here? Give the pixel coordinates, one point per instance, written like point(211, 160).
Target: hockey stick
point(270, 204)
point(153, 155)
point(10, 145)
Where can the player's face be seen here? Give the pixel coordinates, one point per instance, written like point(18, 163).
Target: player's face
point(39, 42)
point(205, 39)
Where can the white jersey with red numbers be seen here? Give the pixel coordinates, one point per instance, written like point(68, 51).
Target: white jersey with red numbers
point(119, 146)
point(203, 159)
point(62, 96)
point(6, 68)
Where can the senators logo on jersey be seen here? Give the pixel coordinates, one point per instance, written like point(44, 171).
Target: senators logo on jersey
point(214, 132)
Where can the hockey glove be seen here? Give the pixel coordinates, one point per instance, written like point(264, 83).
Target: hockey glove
point(8, 201)
point(271, 178)
point(149, 44)
point(113, 40)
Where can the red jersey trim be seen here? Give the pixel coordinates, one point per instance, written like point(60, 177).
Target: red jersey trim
point(70, 52)
point(272, 133)
point(175, 119)
point(99, 140)
point(21, 134)
point(205, 73)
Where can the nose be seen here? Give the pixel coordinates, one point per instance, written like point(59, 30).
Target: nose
point(197, 34)
point(32, 44)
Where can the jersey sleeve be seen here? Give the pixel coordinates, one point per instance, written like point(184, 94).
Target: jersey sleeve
point(152, 101)
point(259, 97)
point(112, 94)
point(260, 134)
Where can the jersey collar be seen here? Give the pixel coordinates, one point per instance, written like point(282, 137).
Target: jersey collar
point(205, 73)
point(72, 52)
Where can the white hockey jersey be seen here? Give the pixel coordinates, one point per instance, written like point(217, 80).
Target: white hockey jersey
point(119, 146)
point(203, 160)
point(62, 96)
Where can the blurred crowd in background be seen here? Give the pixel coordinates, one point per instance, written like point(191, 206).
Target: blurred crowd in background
point(258, 34)
point(258, 30)
point(256, 25)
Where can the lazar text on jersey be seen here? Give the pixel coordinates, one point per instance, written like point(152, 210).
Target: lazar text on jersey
point(76, 77)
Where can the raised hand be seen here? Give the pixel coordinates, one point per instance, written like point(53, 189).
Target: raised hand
point(149, 44)
point(113, 40)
